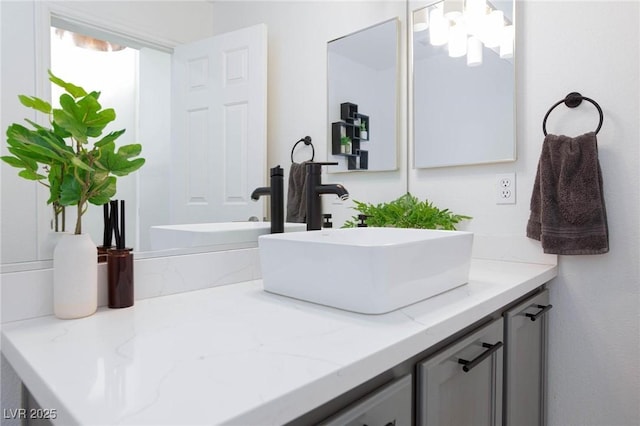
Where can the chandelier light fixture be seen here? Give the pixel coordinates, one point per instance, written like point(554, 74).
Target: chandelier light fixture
point(438, 27)
point(474, 51)
point(465, 27)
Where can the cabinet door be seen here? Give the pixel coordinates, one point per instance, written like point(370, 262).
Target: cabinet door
point(525, 362)
point(462, 385)
point(389, 406)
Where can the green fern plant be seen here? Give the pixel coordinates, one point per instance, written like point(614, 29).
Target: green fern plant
point(406, 212)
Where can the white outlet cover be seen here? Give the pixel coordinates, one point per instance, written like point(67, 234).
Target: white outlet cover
point(505, 188)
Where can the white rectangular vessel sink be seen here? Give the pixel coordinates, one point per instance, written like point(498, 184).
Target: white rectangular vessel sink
point(365, 270)
point(226, 234)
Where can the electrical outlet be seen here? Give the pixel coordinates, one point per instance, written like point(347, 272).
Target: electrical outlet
point(506, 188)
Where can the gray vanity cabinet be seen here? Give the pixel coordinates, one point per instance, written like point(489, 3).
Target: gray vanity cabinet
point(492, 373)
point(525, 362)
point(391, 405)
point(462, 384)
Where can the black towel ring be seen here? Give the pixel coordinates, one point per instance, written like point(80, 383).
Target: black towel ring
point(572, 100)
point(307, 141)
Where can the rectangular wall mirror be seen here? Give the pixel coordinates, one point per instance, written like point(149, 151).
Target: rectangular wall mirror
point(199, 110)
point(25, 230)
point(463, 82)
point(362, 71)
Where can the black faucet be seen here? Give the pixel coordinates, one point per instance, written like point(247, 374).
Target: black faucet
point(276, 191)
point(314, 189)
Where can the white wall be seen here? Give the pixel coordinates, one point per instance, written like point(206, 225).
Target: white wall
point(594, 375)
point(297, 80)
point(18, 195)
point(591, 47)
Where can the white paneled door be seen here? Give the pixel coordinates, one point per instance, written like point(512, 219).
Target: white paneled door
point(219, 127)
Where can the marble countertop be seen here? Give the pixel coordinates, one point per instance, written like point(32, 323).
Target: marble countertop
point(236, 354)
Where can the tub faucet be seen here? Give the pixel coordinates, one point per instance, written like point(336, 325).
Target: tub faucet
point(314, 189)
point(276, 192)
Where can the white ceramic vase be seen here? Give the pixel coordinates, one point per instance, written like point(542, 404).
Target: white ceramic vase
point(75, 277)
point(49, 244)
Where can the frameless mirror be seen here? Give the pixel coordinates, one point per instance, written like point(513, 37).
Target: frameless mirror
point(463, 83)
point(362, 71)
point(204, 158)
point(151, 186)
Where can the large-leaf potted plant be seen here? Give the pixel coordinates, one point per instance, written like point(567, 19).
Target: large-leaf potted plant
point(79, 165)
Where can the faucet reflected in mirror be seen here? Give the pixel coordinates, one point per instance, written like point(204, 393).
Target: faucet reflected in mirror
point(315, 188)
point(276, 192)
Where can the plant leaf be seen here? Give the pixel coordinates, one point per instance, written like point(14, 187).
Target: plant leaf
point(28, 156)
point(55, 142)
point(14, 162)
point(103, 191)
point(72, 89)
point(69, 118)
point(30, 141)
point(35, 103)
point(20, 136)
point(109, 138)
point(31, 175)
point(129, 167)
point(119, 163)
point(129, 151)
point(55, 181)
point(93, 117)
point(77, 162)
point(17, 132)
point(59, 131)
point(82, 118)
point(45, 152)
point(70, 191)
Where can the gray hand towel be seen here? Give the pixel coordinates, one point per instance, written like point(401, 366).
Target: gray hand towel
point(296, 195)
point(568, 214)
